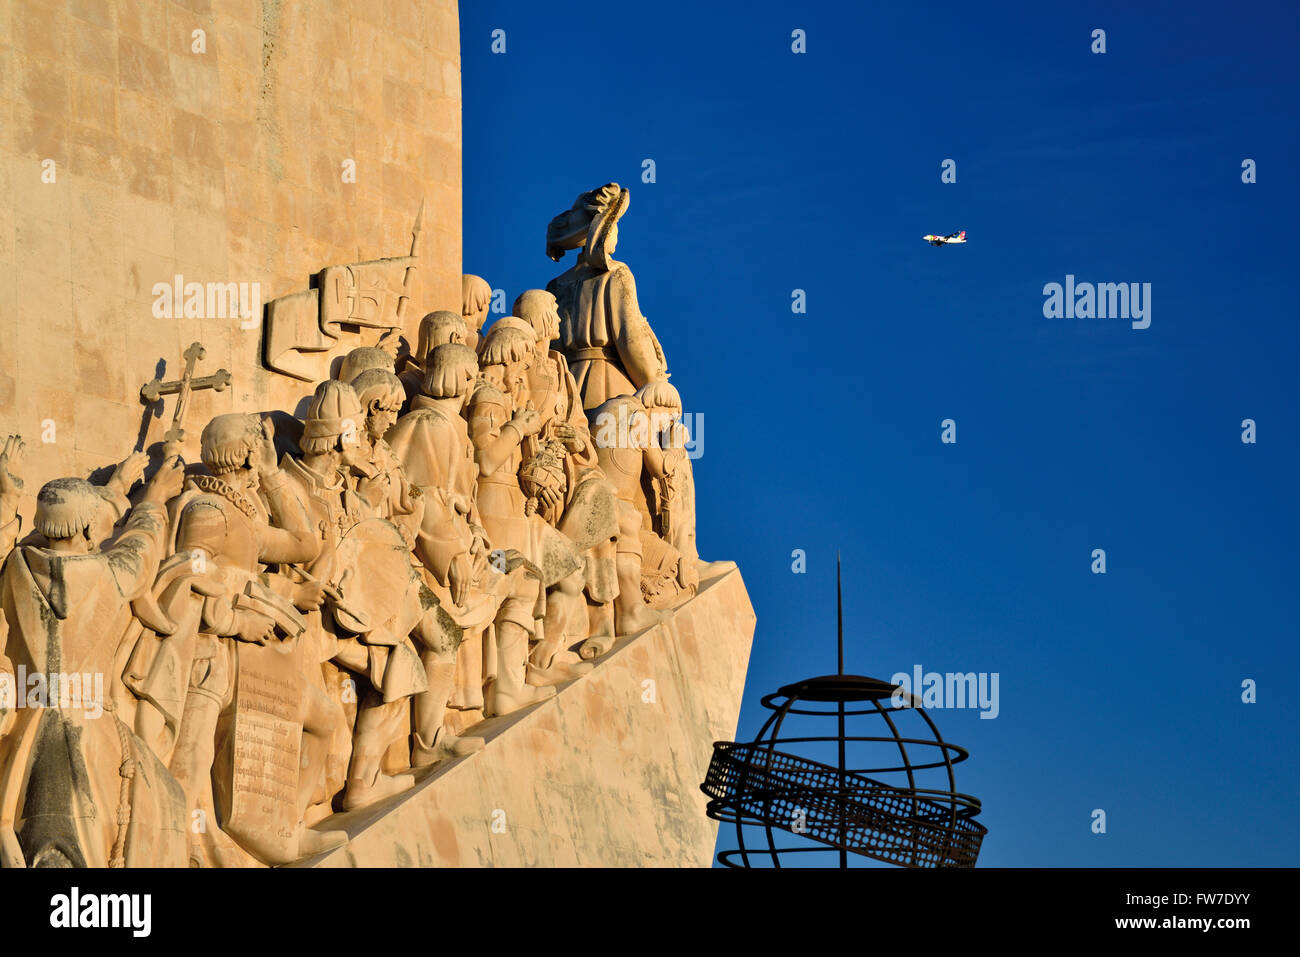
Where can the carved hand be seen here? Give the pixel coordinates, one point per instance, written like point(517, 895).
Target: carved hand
point(459, 574)
point(166, 482)
point(527, 420)
point(11, 486)
point(478, 544)
point(568, 435)
point(309, 596)
point(390, 342)
point(688, 575)
point(130, 471)
point(8, 718)
point(255, 628)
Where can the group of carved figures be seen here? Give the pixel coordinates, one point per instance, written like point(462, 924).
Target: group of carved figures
point(284, 635)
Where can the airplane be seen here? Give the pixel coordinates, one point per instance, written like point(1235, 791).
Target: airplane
point(944, 240)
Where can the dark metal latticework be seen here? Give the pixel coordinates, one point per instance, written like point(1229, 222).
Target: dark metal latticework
point(881, 809)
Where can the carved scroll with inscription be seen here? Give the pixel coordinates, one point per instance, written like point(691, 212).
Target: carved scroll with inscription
point(256, 779)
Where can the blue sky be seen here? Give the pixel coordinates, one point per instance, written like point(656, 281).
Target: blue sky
point(821, 171)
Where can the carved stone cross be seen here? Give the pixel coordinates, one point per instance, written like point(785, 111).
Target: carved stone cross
point(155, 389)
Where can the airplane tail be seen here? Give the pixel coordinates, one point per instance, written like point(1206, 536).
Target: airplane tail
point(962, 234)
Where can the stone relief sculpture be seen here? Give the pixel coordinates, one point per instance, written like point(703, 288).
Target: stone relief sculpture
point(67, 605)
point(609, 344)
point(301, 327)
point(288, 631)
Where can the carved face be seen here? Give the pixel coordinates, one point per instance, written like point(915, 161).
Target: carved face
point(381, 415)
point(546, 324)
point(474, 320)
point(510, 378)
point(515, 376)
point(551, 324)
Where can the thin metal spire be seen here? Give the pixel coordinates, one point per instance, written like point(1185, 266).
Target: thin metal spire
point(843, 793)
point(839, 613)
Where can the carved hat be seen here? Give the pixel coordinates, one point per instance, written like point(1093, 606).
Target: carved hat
point(66, 507)
point(587, 223)
point(334, 411)
point(228, 440)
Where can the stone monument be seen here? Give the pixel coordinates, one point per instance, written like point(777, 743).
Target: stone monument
point(292, 575)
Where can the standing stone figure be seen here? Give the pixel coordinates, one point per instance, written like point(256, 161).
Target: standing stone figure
point(610, 346)
point(77, 787)
point(566, 487)
point(376, 597)
point(628, 457)
point(231, 523)
point(499, 424)
point(482, 588)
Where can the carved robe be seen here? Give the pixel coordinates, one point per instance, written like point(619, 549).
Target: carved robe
point(502, 503)
point(235, 529)
point(79, 788)
point(438, 458)
point(610, 346)
point(587, 514)
point(353, 534)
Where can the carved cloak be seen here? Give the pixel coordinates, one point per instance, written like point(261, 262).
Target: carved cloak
point(610, 346)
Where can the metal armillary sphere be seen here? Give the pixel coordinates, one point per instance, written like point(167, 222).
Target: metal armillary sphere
point(882, 795)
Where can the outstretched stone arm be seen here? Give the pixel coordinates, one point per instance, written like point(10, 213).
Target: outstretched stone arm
point(134, 559)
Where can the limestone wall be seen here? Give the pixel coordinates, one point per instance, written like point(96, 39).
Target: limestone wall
point(224, 165)
point(606, 773)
